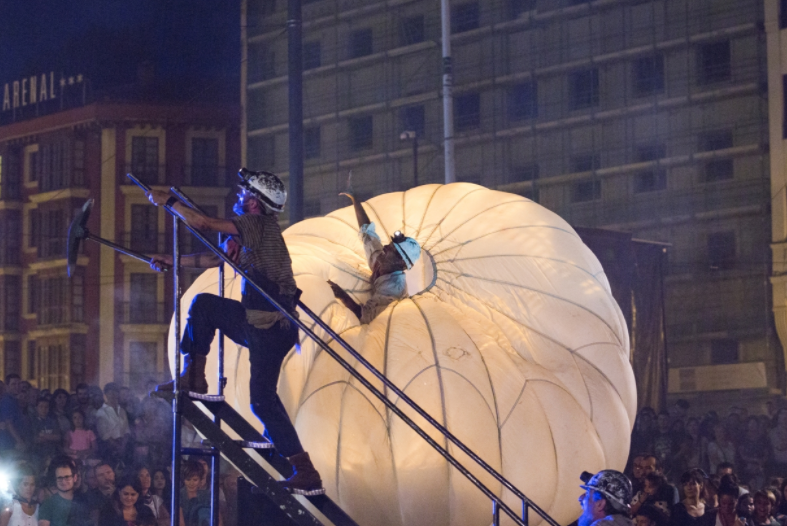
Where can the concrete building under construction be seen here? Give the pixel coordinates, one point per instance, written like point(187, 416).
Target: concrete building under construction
point(650, 117)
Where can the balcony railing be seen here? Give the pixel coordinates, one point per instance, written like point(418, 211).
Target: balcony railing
point(140, 313)
point(60, 315)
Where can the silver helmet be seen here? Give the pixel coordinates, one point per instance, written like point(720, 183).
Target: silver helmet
point(265, 186)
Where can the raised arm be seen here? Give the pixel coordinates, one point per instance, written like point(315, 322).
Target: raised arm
point(192, 217)
point(360, 213)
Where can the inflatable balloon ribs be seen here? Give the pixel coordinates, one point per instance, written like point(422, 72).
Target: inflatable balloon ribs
point(510, 339)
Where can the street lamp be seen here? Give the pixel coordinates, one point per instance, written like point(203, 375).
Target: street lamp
point(410, 135)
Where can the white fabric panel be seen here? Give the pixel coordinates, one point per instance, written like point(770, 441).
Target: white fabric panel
point(518, 348)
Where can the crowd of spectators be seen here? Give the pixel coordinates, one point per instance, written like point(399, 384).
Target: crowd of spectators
point(98, 457)
point(713, 470)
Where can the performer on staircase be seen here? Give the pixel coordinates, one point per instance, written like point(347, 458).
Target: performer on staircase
point(257, 246)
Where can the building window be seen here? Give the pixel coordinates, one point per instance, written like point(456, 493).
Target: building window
point(78, 163)
point(12, 351)
point(411, 30)
point(53, 367)
point(10, 237)
point(33, 297)
point(721, 250)
point(782, 14)
point(525, 172)
point(724, 351)
point(143, 295)
point(715, 170)
point(311, 143)
point(144, 234)
point(517, 8)
point(649, 75)
point(262, 152)
point(412, 118)
point(361, 133)
point(32, 166)
point(10, 176)
point(144, 159)
point(142, 363)
point(54, 301)
point(10, 302)
point(361, 43)
point(205, 162)
point(467, 111)
point(715, 62)
point(650, 181)
point(312, 54)
point(585, 162)
point(523, 101)
point(53, 226)
point(586, 191)
point(465, 17)
point(583, 89)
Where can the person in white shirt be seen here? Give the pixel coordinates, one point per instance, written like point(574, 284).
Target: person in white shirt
point(112, 421)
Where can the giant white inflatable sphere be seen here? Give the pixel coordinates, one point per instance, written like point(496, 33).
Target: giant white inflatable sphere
point(510, 338)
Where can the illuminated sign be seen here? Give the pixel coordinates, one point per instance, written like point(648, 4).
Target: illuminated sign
point(41, 94)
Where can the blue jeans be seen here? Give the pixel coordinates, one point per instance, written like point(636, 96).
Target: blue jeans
point(267, 349)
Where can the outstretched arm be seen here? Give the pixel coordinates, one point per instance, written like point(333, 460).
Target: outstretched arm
point(345, 298)
point(192, 217)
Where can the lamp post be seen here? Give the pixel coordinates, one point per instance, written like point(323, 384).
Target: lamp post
point(410, 135)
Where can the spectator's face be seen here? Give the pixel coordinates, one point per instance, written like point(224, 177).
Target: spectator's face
point(24, 388)
point(82, 396)
point(663, 423)
point(125, 395)
point(692, 489)
point(641, 520)
point(64, 479)
point(159, 482)
point(97, 399)
point(105, 477)
point(144, 478)
point(762, 508)
point(650, 488)
point(78, 420)
point(636, 468)
point(648, 466)
point(693, 427)
point(128, 496)
point(112, 397)
point(747, 505)
point(60, 401)
point(42, 408)
point(723, 471)
point(27, 487)
point(13, 386)
point(592, 508)
point(192, 483)
point(727, 505)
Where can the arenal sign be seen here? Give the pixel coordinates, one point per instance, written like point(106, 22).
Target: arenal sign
point(39, 94)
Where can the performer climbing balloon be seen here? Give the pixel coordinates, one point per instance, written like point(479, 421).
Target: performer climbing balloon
point(387, 263)
point(259, 250)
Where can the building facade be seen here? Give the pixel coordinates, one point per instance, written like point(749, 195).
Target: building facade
point(647, 116)
point(109, 321)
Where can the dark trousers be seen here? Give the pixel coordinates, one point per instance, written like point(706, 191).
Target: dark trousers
point(267, 349)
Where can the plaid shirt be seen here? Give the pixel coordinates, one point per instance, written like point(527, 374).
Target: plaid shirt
point(264, 256)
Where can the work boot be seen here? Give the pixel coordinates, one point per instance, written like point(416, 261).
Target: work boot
point(305, 480)
point(193, 377)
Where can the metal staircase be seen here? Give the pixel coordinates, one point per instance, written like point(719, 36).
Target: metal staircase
point(255, 458)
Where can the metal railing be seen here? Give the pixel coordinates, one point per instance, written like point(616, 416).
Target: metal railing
point(498, 503)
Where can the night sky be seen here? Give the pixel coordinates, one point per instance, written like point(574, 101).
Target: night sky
point(194, 45)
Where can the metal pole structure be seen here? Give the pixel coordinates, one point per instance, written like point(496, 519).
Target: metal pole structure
point(214, 471)
point(448, 97)
point(295, 78)
point(415, 160)
point(176, 405)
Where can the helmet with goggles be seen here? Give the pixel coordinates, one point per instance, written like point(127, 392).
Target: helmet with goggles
point(265, 186)
point(407, 247)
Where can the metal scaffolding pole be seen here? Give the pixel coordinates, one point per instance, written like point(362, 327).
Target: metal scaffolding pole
point(176, 406)
point(295, 99)
point(448, 97)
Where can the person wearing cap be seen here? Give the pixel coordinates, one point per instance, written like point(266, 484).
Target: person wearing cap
point(387, 263)
point(258, 248)
point(606, 499)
